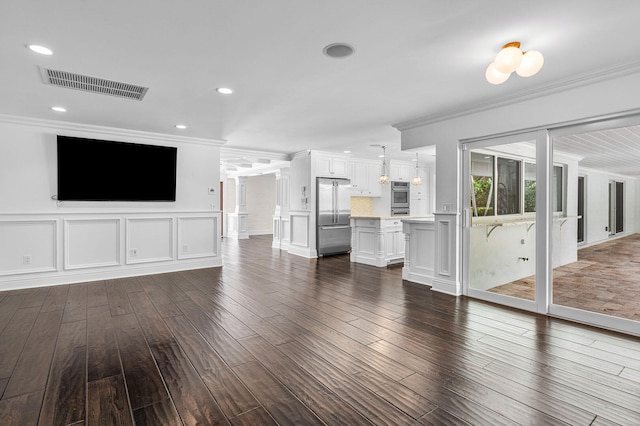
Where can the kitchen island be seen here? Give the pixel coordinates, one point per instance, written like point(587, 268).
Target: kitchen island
point(378, 240)
point(419, 250)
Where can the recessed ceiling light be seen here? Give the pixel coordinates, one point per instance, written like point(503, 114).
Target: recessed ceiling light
point(381, 156)
point(414, 159)
point(180, 126)
point(40, 49)
point(338, 50)
point(224, 90)
point(347, 152)
point(59, 109)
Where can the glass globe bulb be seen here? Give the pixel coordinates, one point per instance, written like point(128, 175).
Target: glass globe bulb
point(532, 62)
point(508, 59)
point(384, 179)
point(494, 76)
point(417, 180)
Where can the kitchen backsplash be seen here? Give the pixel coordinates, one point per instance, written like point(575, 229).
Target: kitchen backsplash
point(361, 206)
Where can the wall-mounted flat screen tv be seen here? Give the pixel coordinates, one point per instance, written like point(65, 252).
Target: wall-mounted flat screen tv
point(98, 170)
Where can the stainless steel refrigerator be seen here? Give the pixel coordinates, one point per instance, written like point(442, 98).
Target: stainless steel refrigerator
point(333, 215)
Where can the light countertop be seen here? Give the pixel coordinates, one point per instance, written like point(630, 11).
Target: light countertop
point(398, 217)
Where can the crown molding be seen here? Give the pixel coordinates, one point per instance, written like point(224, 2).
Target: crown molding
point(57, 126)
point(580, 80)
point(226, 152)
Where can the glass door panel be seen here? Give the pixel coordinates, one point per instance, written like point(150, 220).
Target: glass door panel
point(501, 227)
point(598, 283)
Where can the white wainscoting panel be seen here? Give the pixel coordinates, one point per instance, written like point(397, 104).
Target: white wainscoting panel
point(300, 230)
point(197, 237)
point(149, 239)
point(28, 246)
point(91, 243)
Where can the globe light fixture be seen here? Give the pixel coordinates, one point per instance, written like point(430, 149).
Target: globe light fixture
point(511, 59)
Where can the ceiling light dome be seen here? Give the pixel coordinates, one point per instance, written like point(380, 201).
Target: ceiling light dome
point(509, 58)
point(532, 62)
point(494, 76)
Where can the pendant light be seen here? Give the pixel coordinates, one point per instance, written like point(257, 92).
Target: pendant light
point(384, 177)
point(417, 180)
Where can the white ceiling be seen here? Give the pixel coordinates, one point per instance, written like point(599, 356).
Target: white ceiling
point(413, 58)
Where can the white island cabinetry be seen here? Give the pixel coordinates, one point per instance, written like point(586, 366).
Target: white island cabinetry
point(420, 245)
point(377, 241)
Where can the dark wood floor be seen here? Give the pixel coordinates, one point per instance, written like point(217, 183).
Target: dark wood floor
point(272, 338)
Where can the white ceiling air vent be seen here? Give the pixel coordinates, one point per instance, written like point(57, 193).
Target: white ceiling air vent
point(92, 84)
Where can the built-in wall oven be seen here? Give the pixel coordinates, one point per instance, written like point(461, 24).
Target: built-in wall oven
point(400, 198)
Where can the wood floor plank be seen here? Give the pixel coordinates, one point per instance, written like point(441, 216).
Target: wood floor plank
point(117, 296)
point(631, 374)
point(35, 298)
point(367, 403)
point(56, 299)
point(283, 406)
point(440, 417)
point(141, 375)
point(220, 315)
point(64, 398)
point(103, 359)
point(107, 402)
point(226, 346)
point(76, 306)
point(160, 413)
point(191, 397)
point(356, 356)
point(21, 410)
point(257, 416)
point(325, 403)
point(8, 306)
point(32, 369)
point(153, 327)
point(230, 393)
point(97, 294)
point(164, 305)
point(13, 339)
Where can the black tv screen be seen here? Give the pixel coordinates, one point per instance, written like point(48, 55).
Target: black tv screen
point(98, 170)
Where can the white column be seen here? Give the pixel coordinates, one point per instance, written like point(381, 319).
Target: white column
point(238, 226)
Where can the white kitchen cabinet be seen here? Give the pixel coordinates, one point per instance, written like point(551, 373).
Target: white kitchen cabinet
point(364, 179)
point(419, 195)
point(377, 241)
point(401, 171)
point(329, 166)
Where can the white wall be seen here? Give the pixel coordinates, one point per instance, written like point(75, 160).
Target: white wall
point(261, 203)
point(82, 241)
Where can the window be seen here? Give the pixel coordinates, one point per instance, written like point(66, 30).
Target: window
point(510, 185)
point(557, 189)
point(508, 201)
point(482, 179)
point(529, 187)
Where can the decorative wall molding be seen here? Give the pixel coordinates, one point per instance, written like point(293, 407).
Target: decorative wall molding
point(95, 247)
point(104, 243)
point(192, 232)
point(28, 237)
point(155, 243)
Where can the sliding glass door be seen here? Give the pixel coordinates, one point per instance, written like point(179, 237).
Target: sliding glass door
point(527, 242)
point(500, 219)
